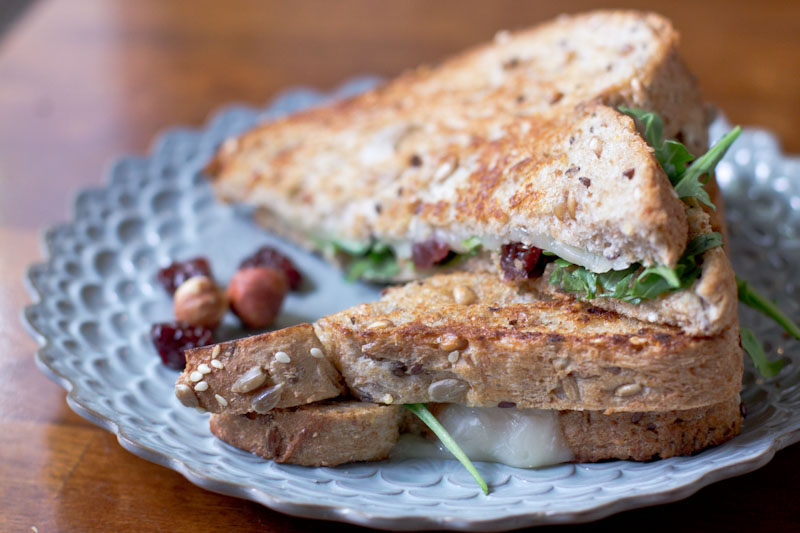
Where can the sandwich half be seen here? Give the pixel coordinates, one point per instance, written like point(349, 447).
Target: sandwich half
point(507, 158)
point(516, 141)
point(600, 384)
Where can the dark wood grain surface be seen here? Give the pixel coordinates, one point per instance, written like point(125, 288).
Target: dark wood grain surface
point(84, 81)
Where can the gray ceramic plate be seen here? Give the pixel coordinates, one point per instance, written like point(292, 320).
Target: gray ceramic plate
point(96, 297)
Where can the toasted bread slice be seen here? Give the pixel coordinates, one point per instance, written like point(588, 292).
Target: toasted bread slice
point(509, 142)
point(279, 369)
point(595, 436)
point(320, 434)
point(509, 346)
point(470, 338)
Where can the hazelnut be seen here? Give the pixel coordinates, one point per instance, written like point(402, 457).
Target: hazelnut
point(256, 295)
point(199, 302)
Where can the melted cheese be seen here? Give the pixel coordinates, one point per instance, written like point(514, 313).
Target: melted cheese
point(523, 438)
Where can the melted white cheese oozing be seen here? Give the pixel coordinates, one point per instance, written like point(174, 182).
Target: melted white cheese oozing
point(523, 438)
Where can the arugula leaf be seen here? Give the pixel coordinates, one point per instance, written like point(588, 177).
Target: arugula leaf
point(653, 126)
point(379, 247)
point(674, 157)
point(635, 283)
point(557, 275)
point(702, 243)
point(578, 280)
point(752, 298)
point(588, 280)
point(373, 260)
point(652, 282)
point(472, 244)
point(421, 410)
point(666, 273)
point(756, 352)
point(379, 263)
point(566, 278)
point(373, 267)
point(617, 282)
point(690, 184)
point(351, 246)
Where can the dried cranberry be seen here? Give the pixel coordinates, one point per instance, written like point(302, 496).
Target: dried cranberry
point(543, 261)
point(270, 257)
point(522, 262)
point(172, 276)
point(172, 338)
point(429, 253)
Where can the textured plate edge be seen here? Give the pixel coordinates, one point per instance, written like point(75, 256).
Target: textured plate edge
point(778, 441)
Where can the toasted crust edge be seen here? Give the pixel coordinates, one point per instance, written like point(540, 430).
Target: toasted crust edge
point(304, 379)
point(593, 436)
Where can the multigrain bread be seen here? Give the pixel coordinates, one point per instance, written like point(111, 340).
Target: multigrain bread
point(595, 436)
point(512, 141)
point(510, 346)
point(279, 369)
point(320, 434)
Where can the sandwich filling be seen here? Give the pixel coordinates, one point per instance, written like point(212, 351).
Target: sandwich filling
point(522, 438)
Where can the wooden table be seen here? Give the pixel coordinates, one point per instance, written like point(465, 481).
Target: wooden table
point(84, 81)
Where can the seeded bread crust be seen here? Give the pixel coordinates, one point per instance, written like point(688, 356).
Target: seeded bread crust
point(706, 308)
point(509, 345)
point(301, 375)
point(481, 146)
point(320, 434)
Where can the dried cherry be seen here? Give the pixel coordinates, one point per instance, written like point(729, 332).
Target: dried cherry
point(174, 275)
point(519, 261)
point(272, 258)
point(172, 338)
point(429, 253)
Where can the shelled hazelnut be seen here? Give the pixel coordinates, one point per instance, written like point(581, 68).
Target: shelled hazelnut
point(198, 301)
